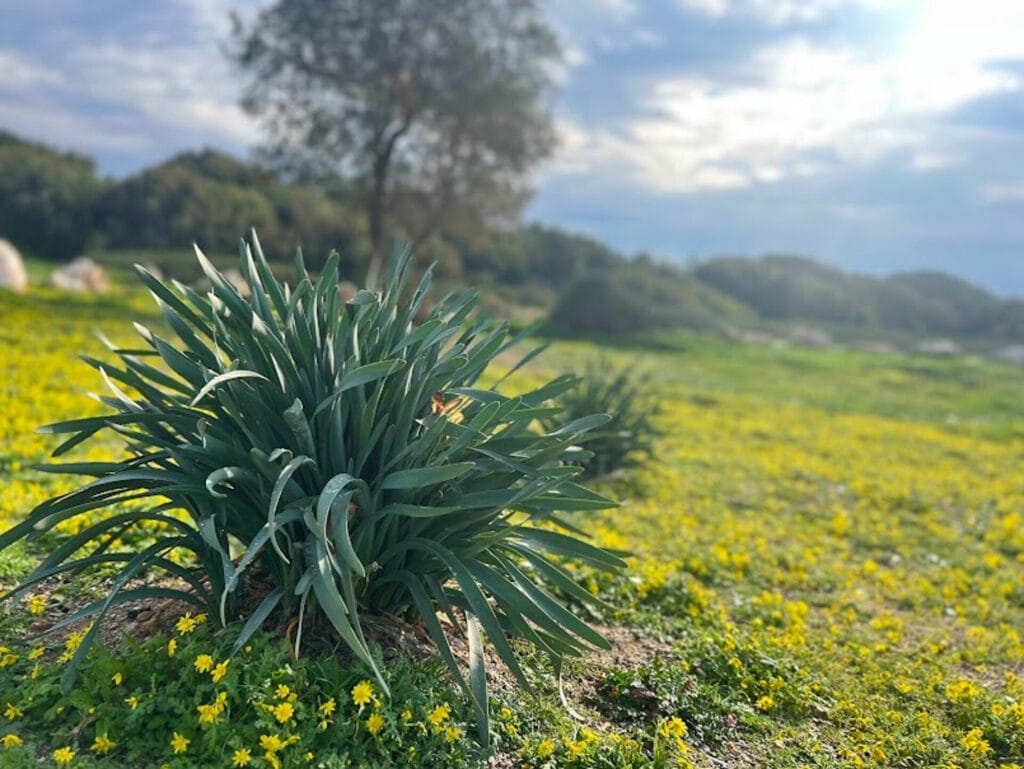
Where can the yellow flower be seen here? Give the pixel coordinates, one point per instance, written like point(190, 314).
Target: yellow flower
point(242, 757)
point(204, 663)
point(37, 604)
point(545, 749)
point(309, 755)
point(117, 678)
point(188, 623)
point(7, 660)
point(282, 692)
point(36, 653)
point(439, 714)
point(172, 647)
point(11, 740)
point(329, 707)
point(767, 702)
point(362, 692)
point(63, 755)
point(180, 743)
point(220, 671)
point(12, 712)
point(133, 702)
point(675, 727)
point(374, 723)
point(103, 744)
point(283, 712)
point(75, 640)
point(208, 714)
point(452, 733)
point(271, 743)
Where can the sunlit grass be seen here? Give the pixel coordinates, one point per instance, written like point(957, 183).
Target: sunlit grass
point(827, 545)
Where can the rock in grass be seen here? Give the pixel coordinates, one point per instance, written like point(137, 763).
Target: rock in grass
point(12, 268)
point(81, 274)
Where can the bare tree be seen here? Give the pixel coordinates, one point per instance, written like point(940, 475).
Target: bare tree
point(435, 110)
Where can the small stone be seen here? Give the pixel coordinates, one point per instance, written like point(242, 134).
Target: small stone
point(12, 268)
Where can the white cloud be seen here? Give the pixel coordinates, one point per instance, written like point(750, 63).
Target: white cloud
point(20, 74)
point(1003, 192)
point(775, 12)
point(797, 109)
point(927, 160)
point(185, 88)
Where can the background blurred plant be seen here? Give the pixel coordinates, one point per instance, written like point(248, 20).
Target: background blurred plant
point(621, 393)
point(340, 451)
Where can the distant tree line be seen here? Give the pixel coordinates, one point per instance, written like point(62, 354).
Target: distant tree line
point(54, 206)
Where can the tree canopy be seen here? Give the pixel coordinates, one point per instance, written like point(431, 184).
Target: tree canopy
point(435, 110)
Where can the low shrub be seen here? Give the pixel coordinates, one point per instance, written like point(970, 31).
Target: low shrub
point(621, 394)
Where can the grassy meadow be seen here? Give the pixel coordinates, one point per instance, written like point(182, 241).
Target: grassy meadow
point(826, 570)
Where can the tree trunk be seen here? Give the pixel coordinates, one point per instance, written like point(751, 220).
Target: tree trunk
point(375, 224)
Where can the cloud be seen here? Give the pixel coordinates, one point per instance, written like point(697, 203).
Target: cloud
point(775, 12)
point(20, 74)
point(796, 108)
point(1003, 192)
point(186, 88)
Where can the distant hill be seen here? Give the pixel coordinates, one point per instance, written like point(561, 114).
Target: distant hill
point(799, 289)
point(54, 206)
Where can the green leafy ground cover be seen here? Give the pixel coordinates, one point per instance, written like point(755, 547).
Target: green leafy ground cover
point(828, 570)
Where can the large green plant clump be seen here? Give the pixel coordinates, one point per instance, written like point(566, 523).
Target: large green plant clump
point(339, 450)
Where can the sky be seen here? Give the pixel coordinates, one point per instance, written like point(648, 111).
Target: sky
point(876, 135)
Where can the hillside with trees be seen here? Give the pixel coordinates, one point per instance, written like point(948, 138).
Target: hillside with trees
point(54, 206)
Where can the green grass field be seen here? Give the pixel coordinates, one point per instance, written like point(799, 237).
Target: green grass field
point(827, 570)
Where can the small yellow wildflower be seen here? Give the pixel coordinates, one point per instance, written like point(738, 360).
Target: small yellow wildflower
point(8, 659)
point(407, 715)
point(208, 714)
point(103, 744)
point(75, 640)
point(10, 740)
point(675, 727)
point(362, 692)
point(172, 647)
point(439, 714)
point(271, 743)
point(309, 755)
point(132, 702)
point(452, 733)
point(374, 723)
point(220, 671)
point(767, 702)
point(188, 623)
point(283, 712)
point(180, 743)
point(117, 678)
point(329, 707)
point(282, 692)
point(973, 742)
point(545, 748)
point(12, 712)
point(242, 757)
point(63, 755)
point(36, 653)
point(204, 663)
point(37, 604)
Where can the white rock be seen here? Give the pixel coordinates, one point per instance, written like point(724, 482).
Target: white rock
point(12, 268)
point(81, 274)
